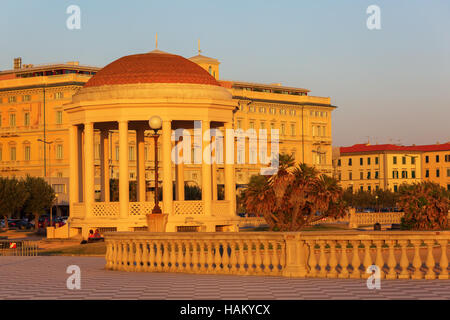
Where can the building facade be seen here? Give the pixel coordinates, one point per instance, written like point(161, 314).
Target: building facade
point(371, 167)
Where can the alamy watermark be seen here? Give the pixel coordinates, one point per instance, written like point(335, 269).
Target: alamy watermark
point(374, 20)
point(74, 280)
point(374, 282)
point(73, 22)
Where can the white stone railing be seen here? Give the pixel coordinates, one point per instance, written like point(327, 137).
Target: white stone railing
point(221, 207)
point(142, 208)
point(188, 207)
point(399, 255)
point(105, 209)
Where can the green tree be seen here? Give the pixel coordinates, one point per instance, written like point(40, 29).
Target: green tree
point(294, 197)
point(40, 197)
point(425, 205)
point(13, 195)
point(192, 192)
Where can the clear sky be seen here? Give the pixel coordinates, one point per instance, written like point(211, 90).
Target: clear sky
point(392, 85)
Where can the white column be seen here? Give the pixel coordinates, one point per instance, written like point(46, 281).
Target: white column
point(167, 167)
point(206, 168)
point(229, 173)
point(214, 170)
point(140, 165)
point(74, 175)
point(123, 169)
point(179, 169)
point(89, 167)
point(104, 165)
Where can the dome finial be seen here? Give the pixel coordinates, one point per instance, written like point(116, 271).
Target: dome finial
point(156, 45)
point(199, 51)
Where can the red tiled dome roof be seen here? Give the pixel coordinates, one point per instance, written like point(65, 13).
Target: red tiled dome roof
point(151, 67)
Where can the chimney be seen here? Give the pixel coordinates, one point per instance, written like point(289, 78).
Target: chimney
point(17, 63)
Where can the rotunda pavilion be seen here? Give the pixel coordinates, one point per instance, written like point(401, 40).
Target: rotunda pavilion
point(123, 96)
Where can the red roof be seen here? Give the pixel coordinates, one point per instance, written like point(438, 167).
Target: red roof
point(392, 147)
point(151, 67)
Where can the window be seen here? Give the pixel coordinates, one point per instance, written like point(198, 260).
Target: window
point(292, 112)
point(131, 153)
point(361, 175)
point(395, 188)
point(361, 188)
point(376, 160)
point(59, 152)
point(395, 174)
point(350, 176)
point(437, 173)
point(447, 158)
point(427, 159)
point(427, 173)
point(394, 160)
point(448, 170)
point(377, 187)
point(369, 188)
point(292, 129)
point(252, 125)
point(437, 158)
point(59, 117)
point(59, 95)
point(403, 160)
point(404, 174)
point(26, 119)
point(283, 128)
point(12, 119)
point(262, 109)
point(339, 162)
point(368, 161)
point(413, 160)
point(272, 126)
point(59, 188)
point(117, 153)
point(376, 174)
point(263, 125)
point(26, 97)
point(413, 174)
point(368, 175)
point(12, 154)
point(339, 176)
point(350, 161)
point(12, 99)
point(27, 153)
point(239, 124)
point(361, 161)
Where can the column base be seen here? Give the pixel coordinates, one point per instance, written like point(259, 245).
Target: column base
point(157, 222)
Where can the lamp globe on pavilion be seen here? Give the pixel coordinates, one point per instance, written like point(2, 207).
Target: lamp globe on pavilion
point(155, 123)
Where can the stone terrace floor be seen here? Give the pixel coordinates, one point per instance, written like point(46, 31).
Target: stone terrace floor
point(45, 278)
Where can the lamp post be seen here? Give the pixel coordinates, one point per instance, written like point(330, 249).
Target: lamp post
point(155, 124)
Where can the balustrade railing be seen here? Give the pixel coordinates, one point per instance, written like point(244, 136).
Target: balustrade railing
point(188, 207)
point(105, 209)
point(398, 255)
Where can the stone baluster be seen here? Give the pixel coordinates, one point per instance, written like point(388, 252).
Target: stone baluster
point(158, 255)
point(114, 255)
point(227, 256)
point(344, 260)
point(282, 255)
point(367, 257)
point(233, 257)
point(312, 261)
point(241, 257)
point(275, 261)
point(417, 262)
point(404, 262)
point(172, 256)
point(144, 245)
point(356, 261)
point(202, 258)
point(392, 263)
point(322, 259)
point(180, 256)
point(188, 257)
point(266, 258)
point(138, 256)
point(250, 257)
point(195, 258)
point(333, 260)
point(151, 255)
point(126, 256)
point(108, 254)
point(258, 257)
point(165, 255)
point(379, 261)
point(210, 256)
point(430, 274)
point(443, 263)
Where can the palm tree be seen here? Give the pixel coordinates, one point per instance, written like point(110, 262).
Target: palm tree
point(294, 197)
point(426, 206)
